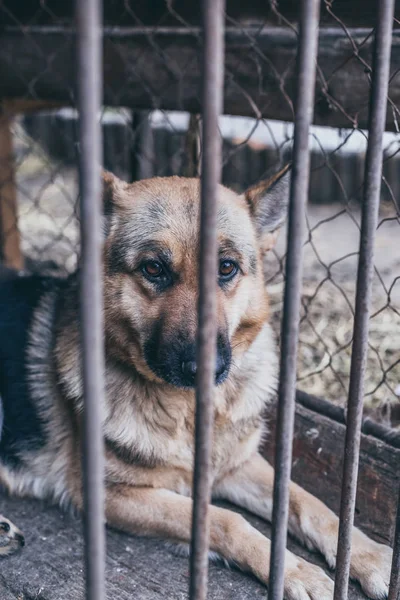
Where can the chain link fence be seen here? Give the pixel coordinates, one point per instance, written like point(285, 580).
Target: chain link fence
point(151, 128)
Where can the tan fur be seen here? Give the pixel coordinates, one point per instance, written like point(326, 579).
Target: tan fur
point(149, 424)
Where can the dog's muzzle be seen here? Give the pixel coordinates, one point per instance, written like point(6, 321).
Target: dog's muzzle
point(176, 363)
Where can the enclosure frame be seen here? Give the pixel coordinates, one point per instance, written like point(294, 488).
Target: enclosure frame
point(90, 98)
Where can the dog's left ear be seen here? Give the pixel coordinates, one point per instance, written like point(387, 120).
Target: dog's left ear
point(268, 202)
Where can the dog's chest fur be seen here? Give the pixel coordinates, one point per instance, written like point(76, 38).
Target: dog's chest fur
point(148, 428)
point(153, 426)
point(158, 429)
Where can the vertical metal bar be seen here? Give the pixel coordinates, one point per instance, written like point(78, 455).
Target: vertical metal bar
point(306, 65)
point(213, 62)
point(372, 186)
point(90, 98)
point(394, 586)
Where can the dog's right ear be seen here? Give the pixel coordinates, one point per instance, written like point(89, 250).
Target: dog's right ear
point(113, 190)
point(108, 188)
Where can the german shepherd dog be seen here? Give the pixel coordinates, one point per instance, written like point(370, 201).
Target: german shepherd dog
point(151, 246)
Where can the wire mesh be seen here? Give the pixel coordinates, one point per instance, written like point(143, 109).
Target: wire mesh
point(151, 127)
point(149, 140)
point(372, 186)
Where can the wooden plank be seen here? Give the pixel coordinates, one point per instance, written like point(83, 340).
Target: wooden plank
point(130, 12)
point(28, 106)
point(50, 565)
point(10, 250)
point(142, 147)
point(146, 68)
point(192, 162)
point(318, 464)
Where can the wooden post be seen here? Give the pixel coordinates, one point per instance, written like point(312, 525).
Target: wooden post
point(142, 149)
point(10, 250)
point(192, 166)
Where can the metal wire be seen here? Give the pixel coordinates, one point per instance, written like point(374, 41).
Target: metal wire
point(213, 61)
point(145, 69)
point(308, 37)
point(373, 174)
point(89, 101)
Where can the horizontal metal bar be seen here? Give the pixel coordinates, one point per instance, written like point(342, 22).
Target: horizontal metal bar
point(213, 71)
point(307, 54)
point(372, 187)
point(89, 104)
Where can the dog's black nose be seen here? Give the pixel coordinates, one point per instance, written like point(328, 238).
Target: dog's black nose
point(189, 369)
point(176, 361)
point(20, 539)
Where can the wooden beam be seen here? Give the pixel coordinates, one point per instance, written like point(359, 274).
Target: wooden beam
point(28, 106)
point(146, 68)
point(10, 250)
point(360, 13)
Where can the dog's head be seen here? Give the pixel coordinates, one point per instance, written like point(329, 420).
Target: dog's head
point(151, 271)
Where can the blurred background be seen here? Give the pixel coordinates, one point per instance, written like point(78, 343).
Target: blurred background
point(151, 126)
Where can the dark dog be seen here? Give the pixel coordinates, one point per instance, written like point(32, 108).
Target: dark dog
point(150, 298)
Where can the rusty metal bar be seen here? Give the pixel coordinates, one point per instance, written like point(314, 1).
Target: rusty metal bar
point(89, 102)
point(394, 586)
point(370, 206)
point(213, 69)
point(306, 68)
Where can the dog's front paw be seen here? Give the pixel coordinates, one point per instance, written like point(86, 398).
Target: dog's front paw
point(370, 565)
point(11, 538)
point(305, 581)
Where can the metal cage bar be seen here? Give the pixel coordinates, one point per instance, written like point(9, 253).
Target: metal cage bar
point(213, 69)
point(307, 55)
point(394, 586)
point(370, 206)
point(90, 70)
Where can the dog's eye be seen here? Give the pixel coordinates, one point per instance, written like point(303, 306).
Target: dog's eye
point(153, 269)
point(227, 269)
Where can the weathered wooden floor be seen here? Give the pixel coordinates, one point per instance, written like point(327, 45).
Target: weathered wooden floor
point(50, 565)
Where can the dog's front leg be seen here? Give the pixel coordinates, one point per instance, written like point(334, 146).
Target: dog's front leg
point(162, 513)
point(310, 521)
